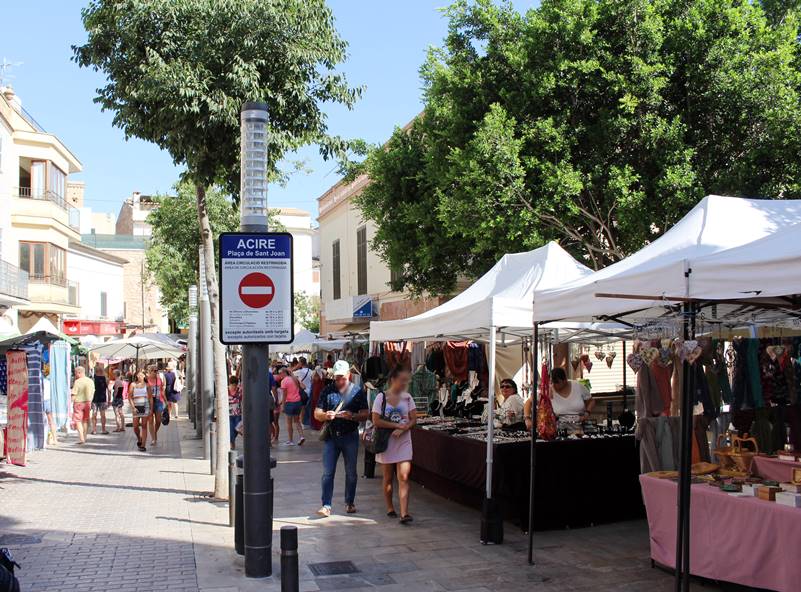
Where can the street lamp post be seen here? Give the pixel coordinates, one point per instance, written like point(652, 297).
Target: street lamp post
point(258, 483)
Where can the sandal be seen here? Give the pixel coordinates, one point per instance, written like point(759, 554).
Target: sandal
point(142, 449)
point(392, 514)
point(406, 519)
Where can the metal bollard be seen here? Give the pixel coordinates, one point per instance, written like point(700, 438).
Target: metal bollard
point(289, 559)
point(213, 449)
point(231, 486)
point(239, 509)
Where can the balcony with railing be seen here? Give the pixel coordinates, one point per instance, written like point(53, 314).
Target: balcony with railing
point(73, 214)
point(53, 290)
point(13, 282)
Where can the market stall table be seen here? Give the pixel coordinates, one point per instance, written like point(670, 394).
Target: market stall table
point(775, 469)
point(743, 540)
point(579, 482)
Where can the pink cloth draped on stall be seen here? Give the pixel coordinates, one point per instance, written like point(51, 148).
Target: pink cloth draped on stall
point(743, 540)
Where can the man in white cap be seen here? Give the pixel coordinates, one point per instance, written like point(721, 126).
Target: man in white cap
point(344, 405)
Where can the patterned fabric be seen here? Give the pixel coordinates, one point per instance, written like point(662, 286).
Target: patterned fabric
point(36, 416)
point(3, 375)
point(423, 387)
point(60, 381)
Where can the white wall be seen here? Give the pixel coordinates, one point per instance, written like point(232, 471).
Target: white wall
point(95, 275)
point(298, 224)
point(9, 179)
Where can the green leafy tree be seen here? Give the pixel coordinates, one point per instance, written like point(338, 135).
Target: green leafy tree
point(172, 254)
point(598, 123)
point(307, 311)
point(177, 73)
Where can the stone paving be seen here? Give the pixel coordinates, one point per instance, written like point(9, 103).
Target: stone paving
point(107, 517)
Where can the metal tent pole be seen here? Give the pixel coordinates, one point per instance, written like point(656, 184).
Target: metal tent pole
point(533, 452)
point(491, 515)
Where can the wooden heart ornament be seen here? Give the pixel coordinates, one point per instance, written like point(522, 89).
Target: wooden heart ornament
point(599, 355)
point(574, 361)
point(610, 357)
point(585, 360)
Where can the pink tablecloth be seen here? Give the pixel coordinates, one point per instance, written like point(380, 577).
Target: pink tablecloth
point(775, 469)
point(733, 539)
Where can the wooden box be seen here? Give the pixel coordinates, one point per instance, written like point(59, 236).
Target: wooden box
point(768, 493)
point(796, 475)
point(791, 487)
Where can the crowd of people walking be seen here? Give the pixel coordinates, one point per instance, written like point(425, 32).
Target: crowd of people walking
point(152, 395)
point(340, 410)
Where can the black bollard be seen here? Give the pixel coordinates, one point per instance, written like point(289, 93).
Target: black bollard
point(239, 511)
point(289, 559)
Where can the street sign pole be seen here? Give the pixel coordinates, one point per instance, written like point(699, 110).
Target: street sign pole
point(257, 399)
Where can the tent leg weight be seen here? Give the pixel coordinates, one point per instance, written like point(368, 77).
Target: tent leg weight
point(491, 522)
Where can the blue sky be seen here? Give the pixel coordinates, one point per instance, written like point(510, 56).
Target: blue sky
point(388, 41)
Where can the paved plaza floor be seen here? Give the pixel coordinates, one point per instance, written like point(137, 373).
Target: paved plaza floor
point(106, 517)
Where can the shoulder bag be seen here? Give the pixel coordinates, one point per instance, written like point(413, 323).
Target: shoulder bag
point(376, 440)
point(304, 396)
point(325, 432)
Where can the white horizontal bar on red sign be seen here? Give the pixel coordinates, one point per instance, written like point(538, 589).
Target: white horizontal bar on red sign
point(256, 290)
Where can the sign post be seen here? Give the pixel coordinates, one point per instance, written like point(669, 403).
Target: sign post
point(256, 310)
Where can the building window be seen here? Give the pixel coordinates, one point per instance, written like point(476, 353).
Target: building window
point(103, 305)
point(361, 260)
point(336, 271)
point(44, 262)
point(57, 180)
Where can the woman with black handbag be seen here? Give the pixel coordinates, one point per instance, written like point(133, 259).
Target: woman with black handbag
point(393, 415)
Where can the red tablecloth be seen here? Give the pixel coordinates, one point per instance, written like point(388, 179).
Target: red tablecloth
point(732, 539)
point(775, 469)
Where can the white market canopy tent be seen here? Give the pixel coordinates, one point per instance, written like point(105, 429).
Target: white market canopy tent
point(501, 298)
point(302, 342)
point(734, 249)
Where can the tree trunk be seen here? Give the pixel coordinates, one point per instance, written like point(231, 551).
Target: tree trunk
point(220, 368)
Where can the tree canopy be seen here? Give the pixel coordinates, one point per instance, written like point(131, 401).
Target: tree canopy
point(172, 253)
point(178, 72)
point(598, 123)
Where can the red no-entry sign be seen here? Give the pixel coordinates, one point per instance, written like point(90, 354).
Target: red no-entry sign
point(256, 290)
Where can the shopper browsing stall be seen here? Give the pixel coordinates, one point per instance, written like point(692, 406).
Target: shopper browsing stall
point(572, 402)
point(510, 411)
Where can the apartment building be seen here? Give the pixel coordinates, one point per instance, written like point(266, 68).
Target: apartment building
point(37, 222)
point(354, 280)
point(132, 219)
point(304, 243)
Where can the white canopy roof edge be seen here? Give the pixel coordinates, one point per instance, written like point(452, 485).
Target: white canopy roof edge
point(710, 232)
point(502, 298)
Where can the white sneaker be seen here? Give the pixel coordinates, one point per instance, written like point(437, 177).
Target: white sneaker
point(289, 443)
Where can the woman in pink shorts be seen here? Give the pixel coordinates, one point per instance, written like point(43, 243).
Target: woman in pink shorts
point(394, 409)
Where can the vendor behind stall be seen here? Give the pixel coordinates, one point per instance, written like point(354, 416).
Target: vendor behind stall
point(510, 412)
point(572, 402)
